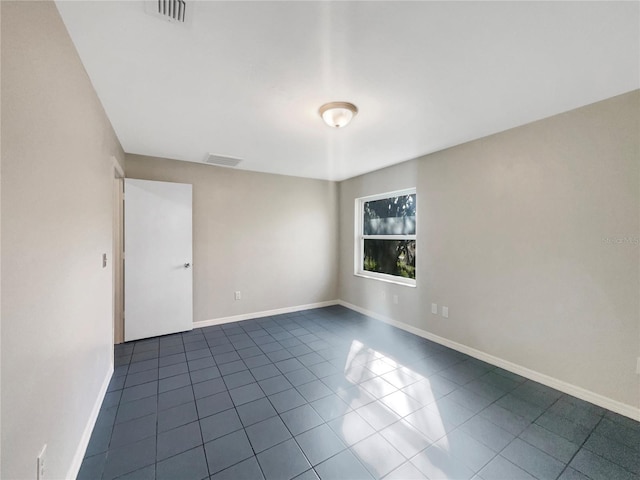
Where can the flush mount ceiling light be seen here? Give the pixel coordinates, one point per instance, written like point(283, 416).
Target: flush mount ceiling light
point(338, 114)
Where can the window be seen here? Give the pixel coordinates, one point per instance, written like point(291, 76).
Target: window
point(386, 237)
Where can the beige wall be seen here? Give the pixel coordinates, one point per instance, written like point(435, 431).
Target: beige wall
point(271, 237)
point(56, 222)
point(512, 238)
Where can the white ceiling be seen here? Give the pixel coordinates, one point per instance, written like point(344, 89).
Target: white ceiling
point(246, 79)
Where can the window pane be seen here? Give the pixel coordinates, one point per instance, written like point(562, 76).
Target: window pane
point(390, 216)
point(393, 257)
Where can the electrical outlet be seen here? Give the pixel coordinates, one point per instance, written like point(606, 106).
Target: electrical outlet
point(238, 296)
point(41, 463)
point(434, 308)
point(395, 299)
point(445, 312)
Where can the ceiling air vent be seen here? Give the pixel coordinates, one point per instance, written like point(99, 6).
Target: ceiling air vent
point(222, 161)
point(171, 10)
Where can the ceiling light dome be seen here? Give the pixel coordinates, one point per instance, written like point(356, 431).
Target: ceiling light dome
point(338, 114)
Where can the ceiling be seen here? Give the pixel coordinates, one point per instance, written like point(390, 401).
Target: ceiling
point(246, 79)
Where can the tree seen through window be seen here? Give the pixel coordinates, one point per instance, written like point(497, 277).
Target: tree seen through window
point(388, 235)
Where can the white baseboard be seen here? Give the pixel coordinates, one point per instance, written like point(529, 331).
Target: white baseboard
point(579, 392)
point(88, 429)
point(265, 313)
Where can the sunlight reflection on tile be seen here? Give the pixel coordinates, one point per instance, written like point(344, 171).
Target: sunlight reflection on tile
point(355, 396)
point(405, 438)
point(378, 387)
point(401, 403)
point(405, 472)
point(402, 377)
point(375, 375)
point(436, 462)
point(378, 455)
point(422, 392)
point(357, 373)
point(378, 415)
point(381, 366)
point(428, 423)
point(351, 428)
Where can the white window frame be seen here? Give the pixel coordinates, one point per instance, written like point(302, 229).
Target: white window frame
point(360, 237)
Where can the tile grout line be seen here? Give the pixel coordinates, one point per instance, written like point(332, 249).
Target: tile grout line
point(235, 409)
point(195, 404)
point(324, 422)
point(581, 446)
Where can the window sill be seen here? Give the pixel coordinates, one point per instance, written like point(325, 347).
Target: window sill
point(407, 283)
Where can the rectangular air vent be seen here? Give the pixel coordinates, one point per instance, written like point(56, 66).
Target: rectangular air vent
point(222, 161)
point(171, 10)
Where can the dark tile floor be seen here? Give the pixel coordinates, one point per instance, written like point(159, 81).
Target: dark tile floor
point(333, 394)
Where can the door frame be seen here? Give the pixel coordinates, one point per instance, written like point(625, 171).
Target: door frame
point(118, 252)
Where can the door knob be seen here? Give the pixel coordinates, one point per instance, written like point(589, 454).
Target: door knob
point(187, 265)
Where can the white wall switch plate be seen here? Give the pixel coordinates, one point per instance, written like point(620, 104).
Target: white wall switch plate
point(238, 295)
point(445, 312)
point(384, 295)
point(395, 299)
point(434, 308)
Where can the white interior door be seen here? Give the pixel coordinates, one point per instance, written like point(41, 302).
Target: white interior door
point(157, 258)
